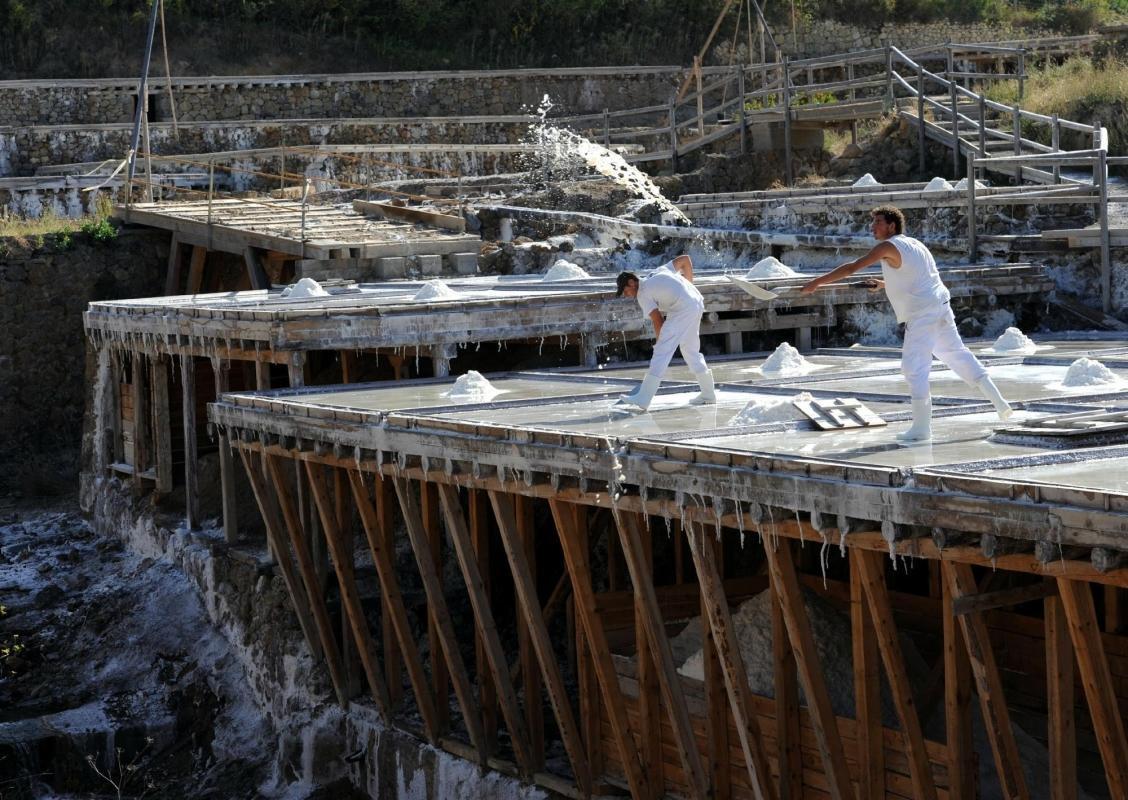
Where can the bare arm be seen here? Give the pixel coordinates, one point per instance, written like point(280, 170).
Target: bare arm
point(684, 265)
point(884, 250)
point(657, 320)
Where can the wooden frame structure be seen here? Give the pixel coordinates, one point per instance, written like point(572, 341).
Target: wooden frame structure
point(619, 706)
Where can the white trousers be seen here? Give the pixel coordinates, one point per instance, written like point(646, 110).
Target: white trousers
point(936, 336)
point(679, 331)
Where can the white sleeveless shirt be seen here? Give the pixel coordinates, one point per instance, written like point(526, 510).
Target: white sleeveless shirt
point(914, 289)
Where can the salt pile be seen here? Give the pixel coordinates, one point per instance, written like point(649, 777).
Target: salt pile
point(961, 184)
point(785, 360)
point(1088, 372)
point(306, 287)
point(473, 386)
point(759, 411)
point(565, 271)
point(435, 290)
point(1014, 341)
point(938, 184)
point(769, 267)
point(867, 180)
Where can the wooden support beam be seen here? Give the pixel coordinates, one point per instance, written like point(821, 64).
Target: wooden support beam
point(196, 270)
point(188, 403)
point(162, 424)
point(872, 575)
point(716, 703)
point(376, 521)
point(343, 511)
point(962, 775)
point(510, 528)
point(1002, 598)
point(669, 682)
point(436, 600)
point(527, 657)
point(732, 665)
point(479, 533)
point(256, 275)
point(139, 392)
point(1061, 727)
point(281, 551)
point(230, 504)
point(996, 717)
point(354, 610)
point(467, 552)
point(175, 265)
point(579, 568)
point(782, 569)
point(649, 695)
point(262, 375)
point(1096, 679)
point(321, 619)
point(386, 530)
point(433, 530)
point(867, 690)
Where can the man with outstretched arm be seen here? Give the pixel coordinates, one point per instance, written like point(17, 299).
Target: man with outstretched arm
point(668, 297)
point(921, 301)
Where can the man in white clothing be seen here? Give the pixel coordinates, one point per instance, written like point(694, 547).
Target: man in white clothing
point(668, 297)
point(921, 301)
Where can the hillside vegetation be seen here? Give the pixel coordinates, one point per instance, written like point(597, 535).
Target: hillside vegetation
point(100, 38)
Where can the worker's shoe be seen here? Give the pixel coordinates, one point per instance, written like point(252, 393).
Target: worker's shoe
point(988, 389)
point(707, 396)
point(640, 398)
point(921, 429)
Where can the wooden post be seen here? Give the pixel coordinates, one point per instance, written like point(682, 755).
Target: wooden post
point(162, 424)
point(196, 270)
point(921, 138)
point(982, 126)
point(649, 695)
point(700, 96)
point(1061, 728)
point(1016, 114)
point(527, 656)
point(889, 74)
point(867, 691)
point(479, 534)
point(1102, 209)
point(789, 744)
point(256, 275)
point(787, 123)
point(740, 90)
point(432, 529)
point(673, 113)
point(971, 242)
point(606, 129)
point(385, 532)
point(1021, 72)
point(1055, 143)
point(954, 99)
point(853, 97)
point(296, 369)
point(139, 393)
point(175, 265)
point(221, 368)
point(962, 776)
point(262, 375)
point(188, 403)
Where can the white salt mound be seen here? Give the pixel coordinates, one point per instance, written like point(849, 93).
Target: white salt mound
point(758, 411)
point(769, 267)
point(435, 290)
point(473, 385)
point(867, 180)
point(961, 184)
point(564, 271)
point(938, 184)
point(785, 360)
point(1014, 340)
point(306, 287)
point(1088, 372)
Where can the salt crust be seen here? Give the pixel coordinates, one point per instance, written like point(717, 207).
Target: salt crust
point(565, 271)
point(769, 267)
point(786, 360)
point(1088, 372)
point(435, 290)
point(867, 180)
point(473, 385)
point(758, 411)
point(306, 287)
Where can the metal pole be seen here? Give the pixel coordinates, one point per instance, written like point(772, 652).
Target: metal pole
point(142, 89)
point(786, 121)
point(971, 243)
point(920, 115)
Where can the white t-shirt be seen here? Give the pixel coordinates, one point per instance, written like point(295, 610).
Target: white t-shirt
point(914, 289)
point(667, 290)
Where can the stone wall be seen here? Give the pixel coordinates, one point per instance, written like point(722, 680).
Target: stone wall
point(824, 37)
point(46, 284)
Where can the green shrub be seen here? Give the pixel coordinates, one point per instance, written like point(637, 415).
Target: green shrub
point(100, 230)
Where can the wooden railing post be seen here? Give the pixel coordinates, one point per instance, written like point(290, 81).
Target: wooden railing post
point(971, 243)
point(1021, 72)
point(982, 126)
point(1106, 264)
point(889, 73)
point(606, 129)
point(954, 98)
point(853, 97)
point(787, 122)
point(674, 135)
point(740, 89)
point(700, 96)
point(920, 115)
point(1055, 143)
point(1016, 112)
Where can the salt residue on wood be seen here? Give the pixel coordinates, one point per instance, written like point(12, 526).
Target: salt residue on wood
point(1088, 372)
point(762, 410)
point(473, 386)
point(1014, 340)
point(786, 360)
point(564, 270)
point(306, 287)
point(769, 267)
point(435, 290)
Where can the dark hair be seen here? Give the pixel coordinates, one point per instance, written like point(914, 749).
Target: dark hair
point(891, 214)
point(622, 281)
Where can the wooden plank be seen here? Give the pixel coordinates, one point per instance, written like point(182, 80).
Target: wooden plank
point(579, 569)
point(413, 215)
point(1092, 664)
point(230, 505)
point(256, 275)
point(432, 529)
point(872, 575)
point(962, 775)
point(142, 420)
point(188, 405)
point(386, 530)
point(433, 587)
point(788, 751)
point(716, 703)
point(1061, 727)
point(649, 695)
point(467, 553)
point(308, 572)
point(281, 551)
point(162, 424)
point(986, 601)
point(867, 690)
point(354, 610)
point(377, 530)
point(175, 265)
point(741, 699)
point(993, 704)
point(527, 656)
point(196, 270)
point(540, 642)
point(668, 680)
point(782, 570)
point(480, 540)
